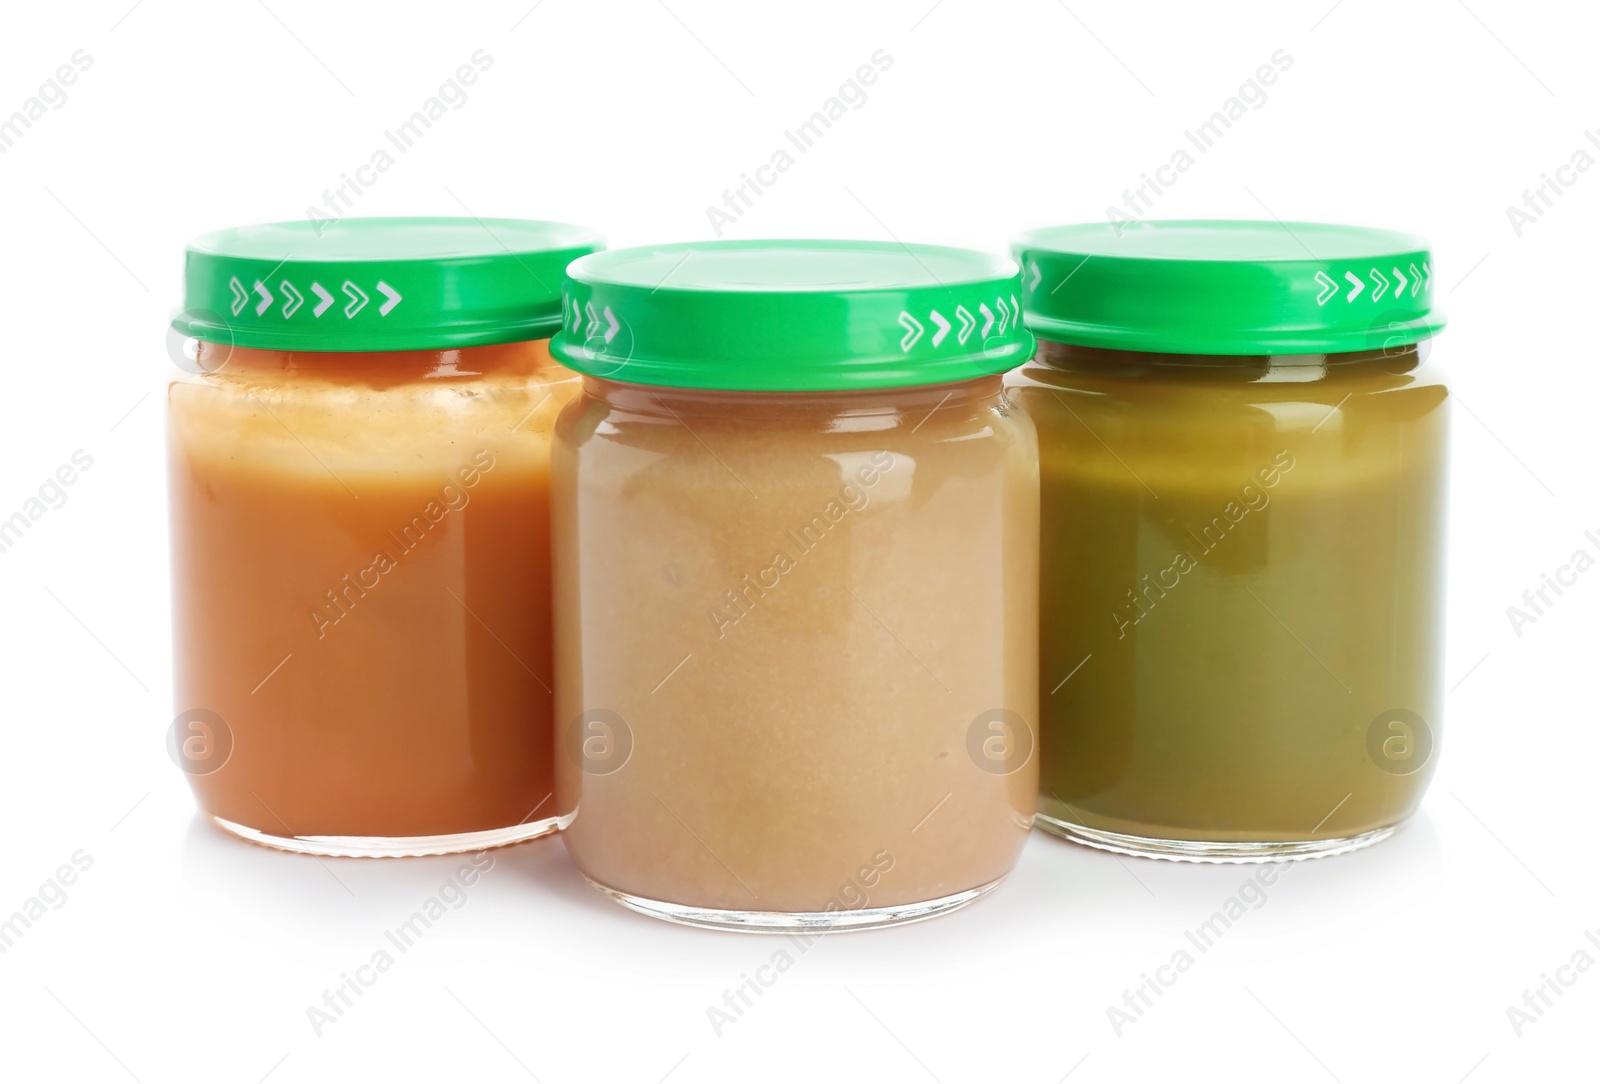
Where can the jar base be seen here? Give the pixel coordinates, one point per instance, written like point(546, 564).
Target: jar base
point(788, 922)
point(394, 846)
point(1189, 850)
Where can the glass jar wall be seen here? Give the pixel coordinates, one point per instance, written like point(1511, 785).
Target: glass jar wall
point(360, 536)
point(1242, 550)
point(1239, 599)
point(796, 575)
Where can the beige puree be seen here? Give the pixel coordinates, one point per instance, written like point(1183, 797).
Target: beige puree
point(780, 621)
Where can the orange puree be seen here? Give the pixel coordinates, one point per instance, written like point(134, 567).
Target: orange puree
point(361, 584)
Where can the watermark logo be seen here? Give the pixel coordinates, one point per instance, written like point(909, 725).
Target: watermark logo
point(606, 337)
point(999, 741)
point(196, 356)
point(600, 741)
point(1393, 333)
point(1399, 741)
point(199, 741)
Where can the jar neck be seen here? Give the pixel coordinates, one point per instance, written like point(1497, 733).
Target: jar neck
point(1229, 368)
point(379, 368)
point(917, 401)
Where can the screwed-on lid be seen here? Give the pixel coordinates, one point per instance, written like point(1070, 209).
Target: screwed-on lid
point(379, 283)
point(792, 315)
point(1227, 287)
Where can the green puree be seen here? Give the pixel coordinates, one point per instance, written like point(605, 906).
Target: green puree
point(1242, 468)
point(1242, 573)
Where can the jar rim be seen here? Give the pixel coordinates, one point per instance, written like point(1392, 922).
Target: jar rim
point(792, 315)
point(1224, 286)
point(378, 284)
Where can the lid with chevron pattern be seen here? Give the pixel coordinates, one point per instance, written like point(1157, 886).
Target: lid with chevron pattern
point(792, 315)
point(1227, 287)
point(361, 284)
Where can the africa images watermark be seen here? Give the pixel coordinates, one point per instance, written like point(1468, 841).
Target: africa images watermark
point(1553, 185)
point(51, 494)
point(1251, 95)
point(853, 894)
point(852, 496)
point(1253, 497)
point(51, 896)
point(1251, 896)
point(451, 896)
point(52, 94)
point(453, 497)
point(1537, 601)
point(451, 95)
point(1542, 998)
point(851, 95)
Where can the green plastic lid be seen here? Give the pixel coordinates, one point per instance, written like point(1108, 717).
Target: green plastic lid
point(792, 315)
point(1227, 287)
point(379, 283)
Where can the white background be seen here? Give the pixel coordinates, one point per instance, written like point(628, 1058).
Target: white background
point(183, 955)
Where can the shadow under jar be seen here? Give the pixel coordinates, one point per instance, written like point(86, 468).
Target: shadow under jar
point(360, 532)
point(795, 538)
point(1243, 468)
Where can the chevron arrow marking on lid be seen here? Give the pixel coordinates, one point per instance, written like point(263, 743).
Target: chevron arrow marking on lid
point(941, 323)
point(265, 295)
point(357, 296)
point(324, 299)
point(291, 298)
point(988, 320)
point(1037, 275)
point(1416, 279)
point(240, 295)
point(1329, 288)
point(1356, 286)
point(913, 328)
point(593, 325)
point(612, 326)
point(1005, 315)
point(393, 296)
point(1380, 282)
point(968, 322)
point(1399, 281)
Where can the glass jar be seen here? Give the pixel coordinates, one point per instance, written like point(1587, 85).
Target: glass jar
point(359, 465)
point(1243, 461)
point(795, 546)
